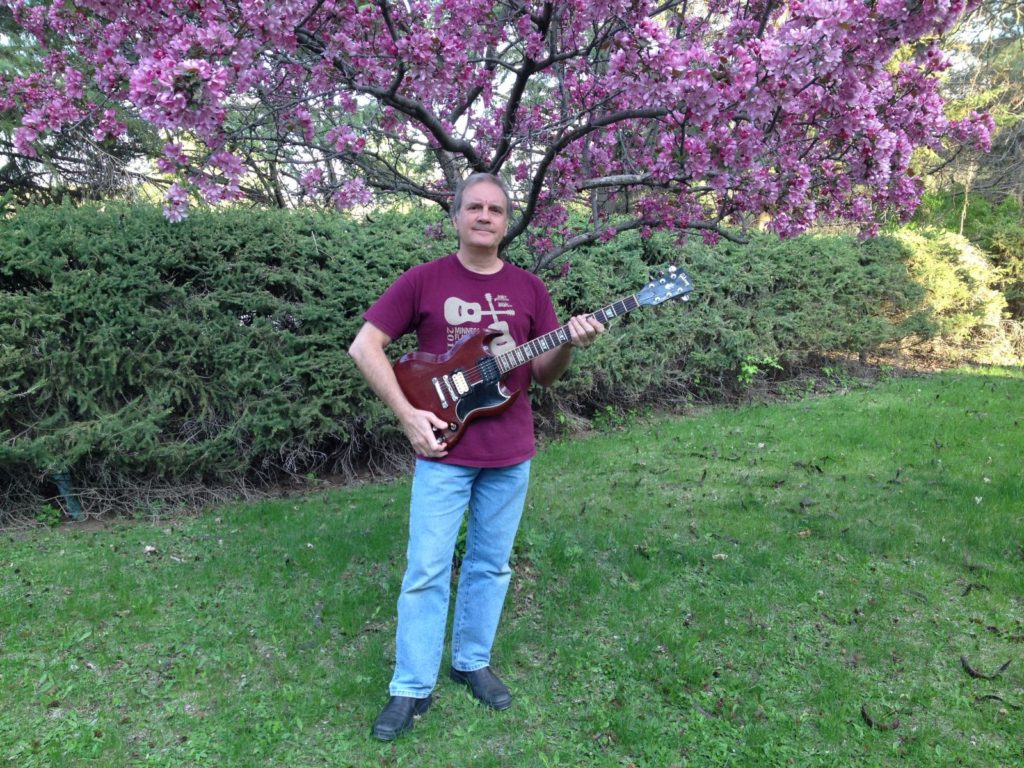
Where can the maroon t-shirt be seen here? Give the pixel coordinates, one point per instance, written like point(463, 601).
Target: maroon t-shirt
point(442, 301)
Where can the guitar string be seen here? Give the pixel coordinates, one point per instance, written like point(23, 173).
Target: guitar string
point(476, 370)
point(475, 373)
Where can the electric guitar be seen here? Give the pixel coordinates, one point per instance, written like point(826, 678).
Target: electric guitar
point(465, 383)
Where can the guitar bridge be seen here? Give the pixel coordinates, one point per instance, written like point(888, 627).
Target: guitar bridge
point(440, 393)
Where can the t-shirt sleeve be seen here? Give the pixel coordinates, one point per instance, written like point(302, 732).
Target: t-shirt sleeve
point(395, 311)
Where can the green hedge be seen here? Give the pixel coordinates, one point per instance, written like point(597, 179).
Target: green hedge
point(996, 228)
point(142, 358)
point(134, 352)
point(782, 302)
point(961, 283)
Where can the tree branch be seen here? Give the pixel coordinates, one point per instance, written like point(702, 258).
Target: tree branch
point(407, 106)
point(586, 238)
point(508, 119)
point(537, 183)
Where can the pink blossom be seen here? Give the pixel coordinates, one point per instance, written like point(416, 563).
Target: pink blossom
point(311, 180)
point(352, 193)
point(792, 108)
point(344, 138)
point(108, 126)
point(177, 203)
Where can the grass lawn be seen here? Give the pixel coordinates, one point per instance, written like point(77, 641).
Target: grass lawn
point(827, 582)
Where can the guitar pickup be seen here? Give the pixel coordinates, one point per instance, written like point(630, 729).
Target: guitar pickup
point(461, 385)
point(440, 393)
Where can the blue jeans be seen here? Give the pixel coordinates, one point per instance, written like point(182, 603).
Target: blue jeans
point(441, 494)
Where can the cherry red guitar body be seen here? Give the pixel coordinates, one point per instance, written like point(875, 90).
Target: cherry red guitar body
point(462, 384)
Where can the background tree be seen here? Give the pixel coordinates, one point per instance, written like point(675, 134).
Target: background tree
point(76, 162)
point(676, 115)
point(977, 194)
point(988, 77)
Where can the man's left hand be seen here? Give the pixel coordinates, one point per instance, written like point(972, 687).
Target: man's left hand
point(583, 329)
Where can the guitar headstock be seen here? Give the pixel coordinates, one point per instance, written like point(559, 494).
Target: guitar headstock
point(673, 283)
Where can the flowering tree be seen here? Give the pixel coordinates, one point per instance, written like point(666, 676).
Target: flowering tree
point(68, 163)
point(688, 115)
point(991, 48)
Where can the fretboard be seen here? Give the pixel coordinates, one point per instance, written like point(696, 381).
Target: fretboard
point(524, 353)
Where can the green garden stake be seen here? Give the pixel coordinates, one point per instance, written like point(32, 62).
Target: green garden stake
point(63, 480)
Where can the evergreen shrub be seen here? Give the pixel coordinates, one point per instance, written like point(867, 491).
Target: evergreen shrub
point(783, 303)
point(143, 357)
point(995, 227)
point(144, 363)
point(960, 282)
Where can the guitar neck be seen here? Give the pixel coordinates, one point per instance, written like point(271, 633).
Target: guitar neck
point(524, 353)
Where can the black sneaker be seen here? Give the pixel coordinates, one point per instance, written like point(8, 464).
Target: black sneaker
point(396, 717)
point(485, 685)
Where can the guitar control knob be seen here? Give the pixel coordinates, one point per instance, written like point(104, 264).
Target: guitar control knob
point(453, 427)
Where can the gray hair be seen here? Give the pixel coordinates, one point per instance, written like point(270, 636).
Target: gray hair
point(476, 178)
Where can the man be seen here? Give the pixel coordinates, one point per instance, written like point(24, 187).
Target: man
point(486, 471)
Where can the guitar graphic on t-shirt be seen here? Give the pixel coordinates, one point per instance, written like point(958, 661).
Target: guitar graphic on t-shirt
point(458, 312)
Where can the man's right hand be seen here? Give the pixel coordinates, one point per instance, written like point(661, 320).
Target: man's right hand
point(367, 350)
point(419, 429)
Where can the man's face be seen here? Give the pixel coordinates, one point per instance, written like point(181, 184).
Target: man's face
point(483, 218)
